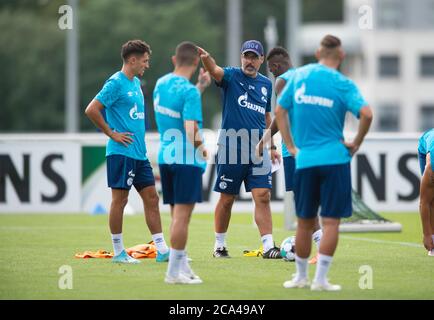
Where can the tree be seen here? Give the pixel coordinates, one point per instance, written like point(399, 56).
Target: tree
point(163, 25)
point(32, 64)
point(32, 49)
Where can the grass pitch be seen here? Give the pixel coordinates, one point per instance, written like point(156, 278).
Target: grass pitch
point(34, 247)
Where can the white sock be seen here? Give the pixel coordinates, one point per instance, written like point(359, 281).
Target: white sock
point(176, 258)
point(322, 268)
point(267, 242)
point(220, 240)
point(301, 267)
point(160, 243)
point(118, 243)
point(185, 266)
point(316, 237)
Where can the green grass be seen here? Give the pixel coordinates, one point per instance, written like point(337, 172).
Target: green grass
point(34, 247)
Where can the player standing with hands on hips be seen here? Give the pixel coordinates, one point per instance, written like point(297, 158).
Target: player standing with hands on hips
point(315, 101)
point(127, 163)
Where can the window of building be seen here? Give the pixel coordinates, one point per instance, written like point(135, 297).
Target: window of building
point(391, 13)
point(427, 65)
point(426, 117)
point(388, 118)
point(389, 66)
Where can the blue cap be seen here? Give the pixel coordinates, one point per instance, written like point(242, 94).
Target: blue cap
point(252, 46)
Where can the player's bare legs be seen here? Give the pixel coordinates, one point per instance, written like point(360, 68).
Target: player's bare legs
point(153, 220)
point(178, 241)
point(222, 217)
point(329, 241)
point(432, 226)
point(172, 210)
point(119, 201)
point(261, 197)
point(432, 217)
point(223, 212)
point(425, 205)
point(303, 243)
point(180, 221)
point(317, 225)
point(316, 237)
point(152, 212)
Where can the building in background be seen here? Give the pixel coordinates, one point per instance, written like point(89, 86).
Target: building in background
point(392, 63)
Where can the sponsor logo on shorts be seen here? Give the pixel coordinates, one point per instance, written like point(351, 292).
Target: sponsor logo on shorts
point(130, 180)
point(223, 178)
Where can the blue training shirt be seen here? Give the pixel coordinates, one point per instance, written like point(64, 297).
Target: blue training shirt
point(125, 112)
point(426, 144)
point(245, 102)
point(176, 99)
point(286, 76)
point(317, 99)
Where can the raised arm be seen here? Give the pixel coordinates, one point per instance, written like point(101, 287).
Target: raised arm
point(210, 65)
point(203, 80)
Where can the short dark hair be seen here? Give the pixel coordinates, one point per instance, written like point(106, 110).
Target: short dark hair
point(134, 47)
point(278, 51)
point(329, 47)
point(330, 42)
point(186, 53)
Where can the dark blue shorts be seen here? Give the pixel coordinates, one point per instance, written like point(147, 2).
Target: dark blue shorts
point(422, 162)
point(289, 167)
point(123, 172)
point(231, 176)
point(325, 186)
point(181, 184)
